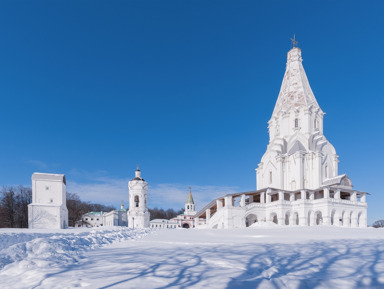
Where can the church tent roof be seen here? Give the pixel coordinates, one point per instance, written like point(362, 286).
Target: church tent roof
point(190, 198)
point(295, 90)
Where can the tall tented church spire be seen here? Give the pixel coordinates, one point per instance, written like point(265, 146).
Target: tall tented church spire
point(295, 90)
point(298, 155)
point(190, 198)
point(190, 205)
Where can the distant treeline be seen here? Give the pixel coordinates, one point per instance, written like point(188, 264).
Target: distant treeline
point(14, 208)
point(164, 214)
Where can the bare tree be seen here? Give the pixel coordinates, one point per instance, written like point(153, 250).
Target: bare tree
point(378, 224)
point(157, 213)
point(75, 208)
point(8, 205)
point(23, 198)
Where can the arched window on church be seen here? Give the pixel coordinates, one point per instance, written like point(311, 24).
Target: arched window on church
point(296, 122)
point(270, 177)
point(137, 201)
point(326, 171)
point(315, 124)
point(187, 207)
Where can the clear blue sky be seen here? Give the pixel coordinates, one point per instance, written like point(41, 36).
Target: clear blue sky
point(183, 88)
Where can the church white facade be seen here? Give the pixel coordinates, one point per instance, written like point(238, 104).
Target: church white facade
point(298, 182)
point(48, 209)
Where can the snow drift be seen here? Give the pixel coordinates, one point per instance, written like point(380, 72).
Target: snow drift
point(39, 249)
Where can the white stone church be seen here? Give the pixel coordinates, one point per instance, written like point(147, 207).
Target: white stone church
point(297, 179)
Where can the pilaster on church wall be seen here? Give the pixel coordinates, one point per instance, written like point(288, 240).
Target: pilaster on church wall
point(280, 173)
point(321, 118)
point(284, 124)
point(286, 173)
point(336, 164)
point(301, 165)
point(271, 129)
point(308, 165)
point(309, 116)
point(293, 172)
point(303, 121)
point(317, 172)
point(259, 183)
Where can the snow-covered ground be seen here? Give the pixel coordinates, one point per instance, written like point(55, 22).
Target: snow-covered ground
point(259, 257)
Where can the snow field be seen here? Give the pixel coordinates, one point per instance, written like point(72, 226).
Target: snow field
point(26, 256)
point(259, 257)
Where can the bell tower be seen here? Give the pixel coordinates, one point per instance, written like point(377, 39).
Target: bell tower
point(190, 205)
point(138, 214)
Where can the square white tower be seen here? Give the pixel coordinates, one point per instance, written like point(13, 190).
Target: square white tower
point(48, 209)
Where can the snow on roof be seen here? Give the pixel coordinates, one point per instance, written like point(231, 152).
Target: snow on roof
point(95, 213)
point(48, 177)
point(162, 221)
point(342, 180)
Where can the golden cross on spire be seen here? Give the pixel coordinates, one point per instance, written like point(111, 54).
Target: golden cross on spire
point(294, 42)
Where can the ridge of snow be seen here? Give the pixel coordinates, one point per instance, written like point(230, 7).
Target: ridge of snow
point(44, 250)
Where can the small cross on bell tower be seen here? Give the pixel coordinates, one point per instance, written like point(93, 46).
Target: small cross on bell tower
point(294, 41)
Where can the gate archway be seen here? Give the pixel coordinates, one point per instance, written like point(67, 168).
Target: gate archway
point(250, 220)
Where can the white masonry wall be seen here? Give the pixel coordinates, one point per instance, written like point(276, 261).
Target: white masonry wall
point(48, 209)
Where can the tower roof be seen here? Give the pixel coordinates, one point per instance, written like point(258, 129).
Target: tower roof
point(137, 175)
point(295, 90)
point(190, 198)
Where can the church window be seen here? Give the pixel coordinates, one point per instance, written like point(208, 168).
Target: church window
point(315, 124)
point(47, 188)
point(326, 171)
point(296, 122)
point(187, 207)
point(270, 177)
point(137, 201)
point(51, 200)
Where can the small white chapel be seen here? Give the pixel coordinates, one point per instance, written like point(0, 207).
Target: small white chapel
point(298, 182)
